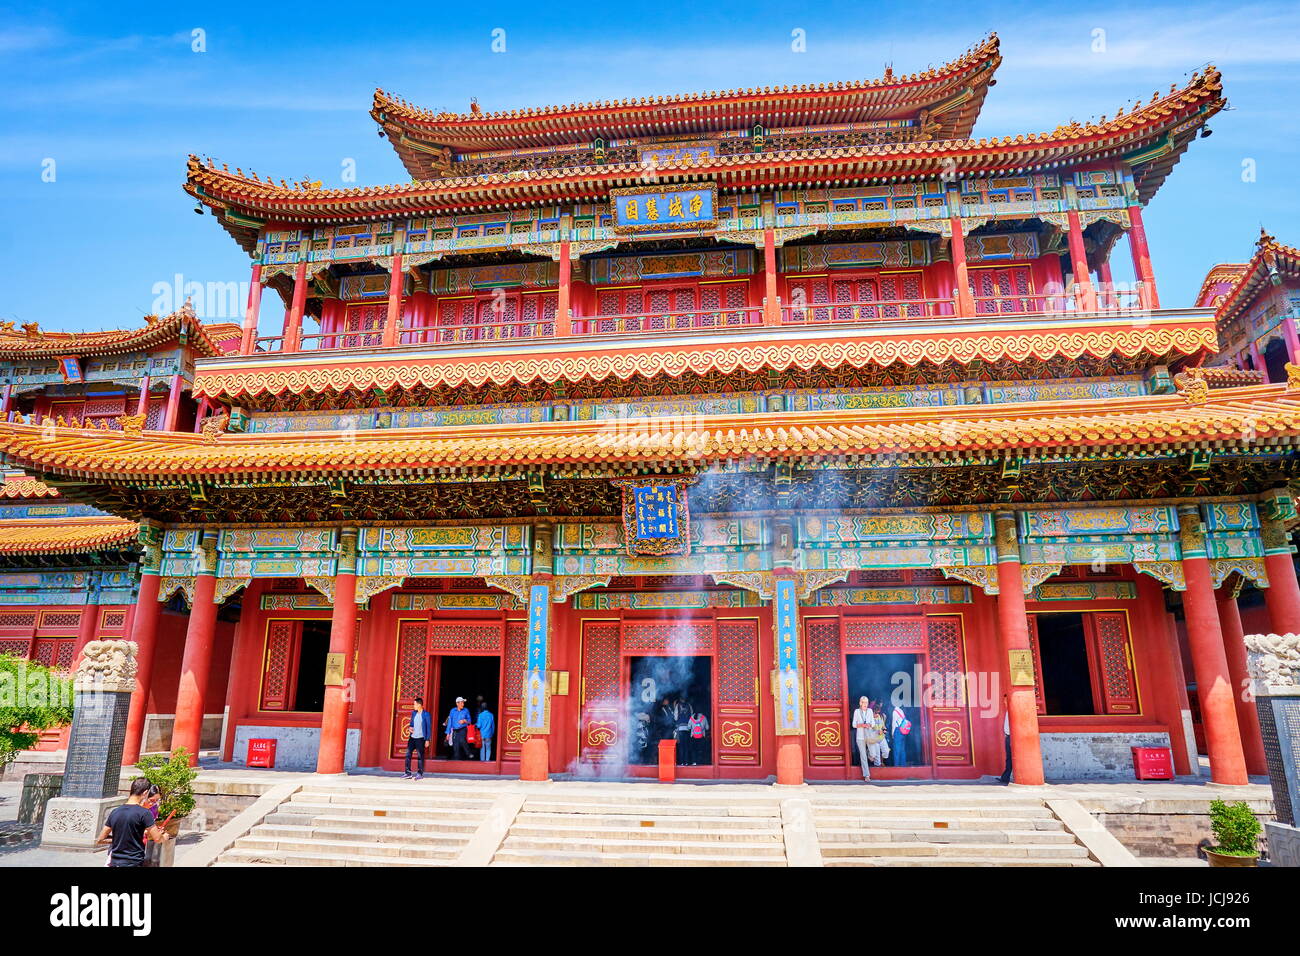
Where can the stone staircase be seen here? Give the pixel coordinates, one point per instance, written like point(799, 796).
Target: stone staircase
point(365, 825)
point(677, 828)
point(876, 830)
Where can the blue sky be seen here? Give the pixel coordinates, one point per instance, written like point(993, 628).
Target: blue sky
point(117, 99)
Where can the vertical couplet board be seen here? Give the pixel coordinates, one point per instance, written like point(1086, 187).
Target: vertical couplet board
point(537, 692)
point(789, 692)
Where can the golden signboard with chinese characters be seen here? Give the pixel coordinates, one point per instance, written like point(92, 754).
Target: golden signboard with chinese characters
point(642, 209)
point(1021, 665)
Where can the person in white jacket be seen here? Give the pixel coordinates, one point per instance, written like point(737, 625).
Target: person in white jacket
point(863, 722)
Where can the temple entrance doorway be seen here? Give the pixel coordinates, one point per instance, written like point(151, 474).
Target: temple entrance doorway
point(477, 679)
point(668, 698)
point(890, 682)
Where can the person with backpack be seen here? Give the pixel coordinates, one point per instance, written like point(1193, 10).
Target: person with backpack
point(698, 728)
point(899, 728)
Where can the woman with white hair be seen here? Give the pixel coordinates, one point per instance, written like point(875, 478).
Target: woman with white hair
point(864, 722)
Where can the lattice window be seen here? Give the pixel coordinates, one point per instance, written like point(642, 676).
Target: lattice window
point(825, 681)
point(465, 636)
point(737, 661)
point(947, 667)
point(412, 659)
point(681, 637)
point(516, 646)
point(877, 576)
point(903, 287)
point(1001, 291)
point(18, 619)
point(61, 619)
point(878, 632)
point(64, 656)
point(279, 659)
point(113, 620)
point(600, 661)
point(363, 326)
point(14, 646)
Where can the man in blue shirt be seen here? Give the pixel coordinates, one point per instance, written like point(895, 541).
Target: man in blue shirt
point(421, 730)
point(487, 725)
point(457, 729)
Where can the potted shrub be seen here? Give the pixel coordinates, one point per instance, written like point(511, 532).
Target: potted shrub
point(1236, 835)
point(174, 778)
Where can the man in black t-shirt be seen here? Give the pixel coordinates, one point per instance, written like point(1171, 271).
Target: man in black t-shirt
point(126, 828)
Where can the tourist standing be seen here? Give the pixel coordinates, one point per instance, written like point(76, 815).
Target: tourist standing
point(457, 730)
point(682, 714)
point(1006, 736)
point(487, 726)
point(698, 728)
point(899, 728)
point(863, 721)
point(127, 826)
point(421, 732)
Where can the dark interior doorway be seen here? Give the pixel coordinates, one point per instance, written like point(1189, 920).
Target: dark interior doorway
point(650, 680)
point(309, 694)
point(1063, 657)
point(469, 677)
point(1275, 359)
point(889, 680)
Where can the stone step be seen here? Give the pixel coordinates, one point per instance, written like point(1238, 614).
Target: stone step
point(651, 821)
point(323, 857)
point(361, 836)
point(697, 841)
point(526, 826)
point(950, 812)
point(652, 810)
point(910, 848)
point(413, 798)
point(356, 821)
point(917, 835)
point(508, 856)
point(368, 848)
point(833, 828)
point(657, 848)
point(382, 810)
point(957, 861)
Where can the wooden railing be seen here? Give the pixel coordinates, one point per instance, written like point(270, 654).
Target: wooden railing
point(881, 312)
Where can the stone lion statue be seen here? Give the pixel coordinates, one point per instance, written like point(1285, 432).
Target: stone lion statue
point(107, 662)
point(1274, 659)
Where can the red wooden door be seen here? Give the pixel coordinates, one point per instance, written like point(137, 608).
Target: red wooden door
point(736, 724)
point(363, 325)
point(455, 320)
point(413, 679)
point(828, 742)
point(1115, 684)
point(949, 706)
point(1001, 290)
point(602, 699)
point(280, 664)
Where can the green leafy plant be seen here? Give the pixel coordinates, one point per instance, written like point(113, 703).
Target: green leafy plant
point(1236, 828)
point(33, 698)
point(174, 778)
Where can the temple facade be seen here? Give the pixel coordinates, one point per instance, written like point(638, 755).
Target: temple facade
point(746, 404)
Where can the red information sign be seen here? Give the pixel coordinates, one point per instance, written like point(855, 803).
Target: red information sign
point(1153, 763)
point(261, 752)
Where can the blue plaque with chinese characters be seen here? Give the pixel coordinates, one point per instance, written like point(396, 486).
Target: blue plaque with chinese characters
point(647, 210)
point(656, 511)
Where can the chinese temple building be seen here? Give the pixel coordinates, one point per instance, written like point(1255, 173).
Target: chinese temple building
point(760, 401)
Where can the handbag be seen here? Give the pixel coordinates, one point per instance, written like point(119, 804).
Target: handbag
point(473, 737)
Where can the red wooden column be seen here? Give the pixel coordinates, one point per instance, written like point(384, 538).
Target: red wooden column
point(87, 626)
point(393, 321)
point(343, 642)
point(173, 404)
point(196, 663)
point(248, 335)
point(1214, 686)
point(1085, 296)
point(292, 337)
point(1282, 596)
point(144, 630)
point(1107, 283)
point(564, 297)
point(1234, 645)
point(960, 275)
point(142, 405)
point(1013, 628)
point(1137, 242)
point(771, 307)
